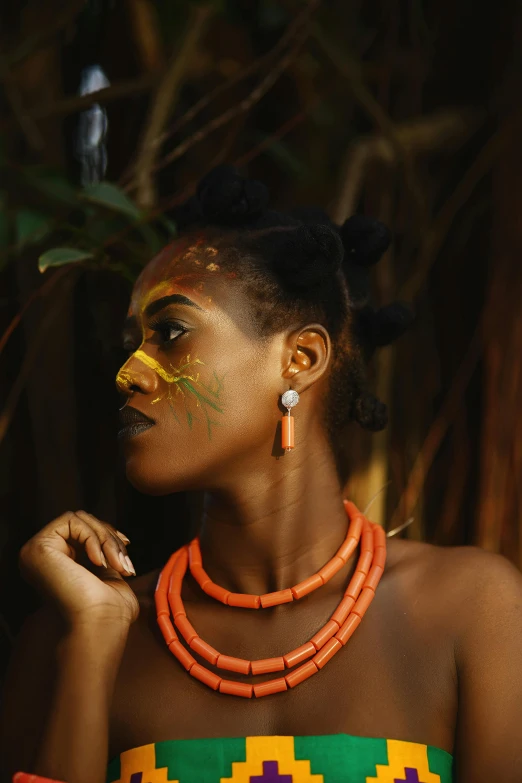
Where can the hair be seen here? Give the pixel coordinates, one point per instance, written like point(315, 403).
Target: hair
point(299, 267)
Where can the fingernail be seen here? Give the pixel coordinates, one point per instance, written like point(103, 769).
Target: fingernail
point(103, 560)
point(129, 565)
point(123, 561)
point(123, 536)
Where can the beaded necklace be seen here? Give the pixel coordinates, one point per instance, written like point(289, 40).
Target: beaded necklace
point(321, 647)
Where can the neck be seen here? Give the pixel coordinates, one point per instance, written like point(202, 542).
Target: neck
point(267, 532)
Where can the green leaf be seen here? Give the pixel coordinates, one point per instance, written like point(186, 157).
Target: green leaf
point(51, 183)
point(109, 195)
point(169, 225)
point(31, 226)
point(59, 256)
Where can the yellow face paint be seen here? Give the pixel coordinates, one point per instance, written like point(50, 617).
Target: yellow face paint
point(170, 377)
point(206, 396)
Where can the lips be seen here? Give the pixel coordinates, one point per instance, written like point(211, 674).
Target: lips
point(132, 422)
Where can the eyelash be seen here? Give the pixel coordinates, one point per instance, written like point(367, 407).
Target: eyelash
point(166, 325)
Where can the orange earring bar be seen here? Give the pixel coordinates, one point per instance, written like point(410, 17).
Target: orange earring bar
point(289, 399)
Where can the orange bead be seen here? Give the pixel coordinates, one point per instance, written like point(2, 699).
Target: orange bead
point(326, 633)
point(374, 577)
point(169, 634)
point(162, 602)
point(204, 675)
point(301, 674)
point(236, 688)
point(205, 650)
point(233, 664)
point(267, 665)
point(365, 562)
point(194, 553)
point(182, 654)
point(379, 534)
point(164, 577)
point(180, 566)
point(356, 583)
point(217, 592)
point(307, 586)
point(343, 610)
point(200, 575)
point(347, 628)
point(331, 568)
point(270, 687)
point(299, 655)
point(367, 540)
point(244, 600)
point(176, 605)
point(327, 652)
point(277, 598)
point(347, 549)
point(379, 556)
point(363, 602)
point(287, 432)
point(185, 628)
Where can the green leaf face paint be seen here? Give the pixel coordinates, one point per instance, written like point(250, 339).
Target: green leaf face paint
point(183, 381)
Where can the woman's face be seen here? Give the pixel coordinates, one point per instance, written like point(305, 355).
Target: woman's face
point(198, 372)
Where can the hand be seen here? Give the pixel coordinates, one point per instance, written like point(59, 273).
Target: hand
point(58, 561)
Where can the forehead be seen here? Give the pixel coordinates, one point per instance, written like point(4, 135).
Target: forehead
point(189, 265)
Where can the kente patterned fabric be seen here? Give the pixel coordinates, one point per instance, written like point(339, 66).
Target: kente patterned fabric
point(335, 758)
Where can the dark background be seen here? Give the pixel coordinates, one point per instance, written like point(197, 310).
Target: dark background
point(408, 110)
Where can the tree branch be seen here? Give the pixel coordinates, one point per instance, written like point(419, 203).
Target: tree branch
point(162, 106)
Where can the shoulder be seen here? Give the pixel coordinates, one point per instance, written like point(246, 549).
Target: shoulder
point(144, 586)
point(466, 582)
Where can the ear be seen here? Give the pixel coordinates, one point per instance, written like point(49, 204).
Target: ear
point(307, 356)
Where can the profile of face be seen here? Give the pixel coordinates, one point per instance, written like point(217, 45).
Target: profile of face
point(200, 372)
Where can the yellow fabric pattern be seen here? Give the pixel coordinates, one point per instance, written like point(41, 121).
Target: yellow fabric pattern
point(142, 759)
point(400, 756)
point(280, 749)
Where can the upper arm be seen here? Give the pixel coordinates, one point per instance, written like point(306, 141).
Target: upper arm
point(489, 664)
point(27, 691)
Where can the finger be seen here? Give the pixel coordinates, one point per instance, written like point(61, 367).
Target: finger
point(120, 538)
point(112, 547)
point(68, 531)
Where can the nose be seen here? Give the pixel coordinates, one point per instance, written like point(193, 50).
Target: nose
point(135, 377)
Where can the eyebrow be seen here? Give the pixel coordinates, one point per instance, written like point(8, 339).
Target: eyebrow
point(159, 304)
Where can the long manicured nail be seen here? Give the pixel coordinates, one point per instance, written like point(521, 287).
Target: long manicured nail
point(123, 536)
point(129, 565)
point(123, 562)
point(102, 556)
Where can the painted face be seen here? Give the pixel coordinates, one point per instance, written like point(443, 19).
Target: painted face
point(198, 371)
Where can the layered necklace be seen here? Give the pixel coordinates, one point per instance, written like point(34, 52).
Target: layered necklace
point(299, 664)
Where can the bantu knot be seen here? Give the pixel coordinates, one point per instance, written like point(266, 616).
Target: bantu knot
point(227, 198)
point(306, 255)
point(370, 412)
point(365, 240)
point(376, 328)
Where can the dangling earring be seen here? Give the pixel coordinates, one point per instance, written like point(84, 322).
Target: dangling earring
point(289, 399)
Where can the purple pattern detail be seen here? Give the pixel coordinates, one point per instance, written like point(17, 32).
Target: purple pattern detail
point(412, 776)
point(271, 774)
point(136, 777)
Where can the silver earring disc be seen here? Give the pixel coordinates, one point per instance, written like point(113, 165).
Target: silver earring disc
point(290, 398)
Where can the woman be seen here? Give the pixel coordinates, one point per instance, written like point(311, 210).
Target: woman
point(248, 306)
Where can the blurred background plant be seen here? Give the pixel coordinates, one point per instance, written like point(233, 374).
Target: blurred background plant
point(408, 110)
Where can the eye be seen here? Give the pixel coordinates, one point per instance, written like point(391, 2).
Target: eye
point(168, 330)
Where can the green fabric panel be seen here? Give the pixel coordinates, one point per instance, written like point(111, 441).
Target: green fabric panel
point(441, 763)
point(200, 760)
point(329, 754)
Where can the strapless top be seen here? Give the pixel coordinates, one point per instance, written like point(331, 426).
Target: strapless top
point(331, 758)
